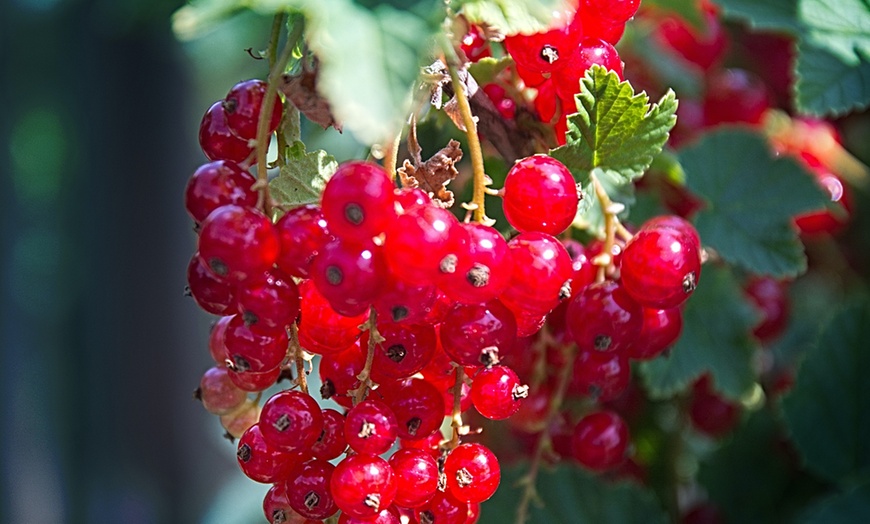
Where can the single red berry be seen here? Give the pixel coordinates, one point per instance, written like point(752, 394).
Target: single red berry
point(358, 201)
point(277, 508)
point(408, 198)
point(540, 194)
point(216, 346)
point(272, 302)
point(212, 293)
point(735, 95)
point(217, 184)
point(421, 244)
point(217, 392)
point(705, 47)
point(308, 491)
point(660, 267)
point(261, 461)
point(418, 406)
point(405, 350)
point(254, 348)
point(254, 381)
point(602, 376)
point(363, 486)
point(216, 139)
point(616, 10)
point(322, 330)
point(338, 372)
point(349, 276)
point(416, 476)
point(771, 297)
point(384, 517)
point(591, 51)
point(661, 328)
point(475, 334)
point(370, 427)
point(238, 243)
point(603, 317)
point(243, 105)
point(291, 420)
point(547, 51)
point(600, 440)
point(405, 303)
point(533, 413)
point(474, 45)
point(443, 508)
point(584, 271)
point(483, 267)
point(472, 471)
point(497, 392)
point(302, 232)
point(679, 224)
point(541, 273)
point(331, 442)
point(710, 413)
point(506, 106)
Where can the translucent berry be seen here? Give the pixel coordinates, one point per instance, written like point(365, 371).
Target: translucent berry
point(416, 476)
point(322, 329)
point(474, 334)
point(497, 392)
point(238, 243)
point(254, 381)
point(443, 508)
point(616, 10)
point(363, 486)
point(254, 348)
point(405, 350)
point(272, 302)
point(308, 491)
point(338, 372)
point(291, 420)
point(541, 273)
point(358, 201)
point(600, 440)
point(420, 243)
point(547, 51)
point(302, 232)
point(243, 105)
point(603, 317)
point(602, 376)
point(418, 406)
point(540, 194)
point(211, 292)
point(404, 303)
point(370, 427)
point(771, 297)
point(216, 139)
point(217, 392)
point(217, 184)
point(735, 95)
point(483, 267)
point(473, 472)
point(474, 45)
point(661, 328)
point(239, 420)
point(276, 506)
point(710, 413)
point(260, 460)
point(591, 51)
point(331, 442)
point(384, 517)
point(216, 346)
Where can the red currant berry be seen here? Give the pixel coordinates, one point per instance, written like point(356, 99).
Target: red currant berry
point(370, 427)
point(704, 48)
point(321, 329)
point(218, 184)
point(544, 52)
point(338, 372)
point(217, 392)
point(497, 392)
point(261, 461)
point(238, 243)
point(406, 349)
point(660, 267)
point(216, 139)
point(416, 477)
point(211, 292)
point(474, 45)
point(408, 198)
point(358, 201)
point(277, 508)
point(584, 271)
point(735, 95)
point(616, 10)
point(422, 243)
point(271, 303)
point(216, 346)
point(308, 491)
point(771, 297)
point(253, 348)
point(404, 303)
point(443, 508)
point(540, 194)
point(291, 420)
point(541, 273)
point(331, 442)
point(473, 473)
point(475, 334)
point(384, 517)
point(254, 381)
point(603, 317)
point(590, 52)
point(418, 406)
point(243, 105)
point(349, 276)
point(302, 232)
point(679, 224)
point(710, 413)
point(661, 328)
point(363, 485)
point(483, 267)
point(602, 376)
point(507, 108)
point(600, 440)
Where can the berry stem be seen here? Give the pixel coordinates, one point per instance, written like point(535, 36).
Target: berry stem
point(392, 158)
point(296, 354)
point(359, 394)
point(479, 193)
point(456, 420)
point(277, 25)
point(276, 70)
point(611, 223)
point(545, 442)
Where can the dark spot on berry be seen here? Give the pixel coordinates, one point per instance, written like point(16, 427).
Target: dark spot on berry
point(312, 500)
point(244, 453)
point(478, 275)
point(327, 390)
point(322, 434)
point(399, 313)
point(489, 356)
point(240, 364)
point(413, 425)
point(427, 517)
point(565, 290)
point(354, 214)
point(218, 267)
point(550, 54)
point(282, 423)
point(396, 353)
point(594, 391)
point(334, 275)
point(367, 430)
point(464, 478)
point(279, 516)
point(448, 264)
point(250, 318)
point(197, 394)
point(229, 105)
point(520, 391)
point(230, 437)
point(373, 500)
point(690, 282)
point(602, 342)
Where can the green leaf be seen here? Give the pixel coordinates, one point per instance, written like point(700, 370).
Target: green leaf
point(510, 16)
point(571, 495)
point(852, 506)
point(199, 16)
point(717, 321)
point(749, 476)
point(750, 199)
point(842, 27)
point(827, 410)
point(778, 15)
point(827, 84)
point(615, 132)
point(486, 69)
point(303, 177)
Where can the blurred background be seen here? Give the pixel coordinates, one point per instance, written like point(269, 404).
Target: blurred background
point(99, 349)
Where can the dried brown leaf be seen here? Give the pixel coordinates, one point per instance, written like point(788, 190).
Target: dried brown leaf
point(433, 175)
point(301, 89)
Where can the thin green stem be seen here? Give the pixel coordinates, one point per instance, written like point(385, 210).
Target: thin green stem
point(456, 421)
point(272, 51)
point(476, 152)
point(364, 377)
point(392, 159)
point(610, 227)
point(296, 354)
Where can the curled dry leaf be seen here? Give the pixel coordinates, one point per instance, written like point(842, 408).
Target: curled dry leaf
point(433, 175)
point(301, 89)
